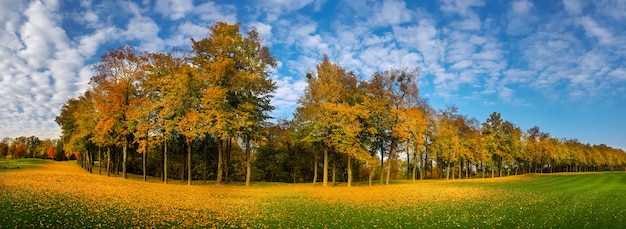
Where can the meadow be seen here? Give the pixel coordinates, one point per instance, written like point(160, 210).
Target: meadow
point(61, 195)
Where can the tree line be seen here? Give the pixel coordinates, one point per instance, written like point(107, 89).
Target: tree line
point(32, 147)
point(202, 114)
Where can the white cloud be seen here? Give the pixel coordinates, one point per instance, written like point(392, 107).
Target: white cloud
point(39, 66)
point(505, 94)
point(616, 9)
point(146, 31)
point(461, 7)
point(522, 7)
point(175, 9)
point(212, 12)
point(573, 7)
point(391, 12)
point(274, 9)
point(520, 19)
point(593, 29)
point(286, 96)
point(618, 74)
point(89, 44)
point(470, 23)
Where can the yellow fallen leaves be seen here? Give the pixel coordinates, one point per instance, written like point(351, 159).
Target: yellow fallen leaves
point(63, 195)
point(101, 201)
point(141, 204)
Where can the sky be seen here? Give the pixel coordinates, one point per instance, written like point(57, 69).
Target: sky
point(559, 65)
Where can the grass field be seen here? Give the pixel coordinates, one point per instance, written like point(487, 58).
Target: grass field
point(60, 194)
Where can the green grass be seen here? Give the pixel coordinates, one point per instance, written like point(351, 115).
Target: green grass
point(576, 200)
point(27, 163)
point(596, 200)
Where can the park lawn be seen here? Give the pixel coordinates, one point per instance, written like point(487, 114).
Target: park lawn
point(27, 163)
point(63, 195)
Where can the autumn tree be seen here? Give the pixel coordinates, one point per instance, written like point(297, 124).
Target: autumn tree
point(494, 137)
point(4, 147)
point(115, 85)
point(51, 152)
point(237, 66)
point(387, 95)
point(330, 113)
point(158, 111)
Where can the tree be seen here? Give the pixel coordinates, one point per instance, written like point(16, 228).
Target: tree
point(20, 151)
point(494, 137)
point(51, 152)
point(115, 90)
point(239, 65)
point(387, 95)
point(4, 147)
point(32, 143)
point(329, 113)
point(512, 145)
point(158, 111)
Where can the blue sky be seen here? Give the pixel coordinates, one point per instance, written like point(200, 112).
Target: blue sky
point(560, 65)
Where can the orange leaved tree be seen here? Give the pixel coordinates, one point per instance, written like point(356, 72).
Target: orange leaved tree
point(116, 83)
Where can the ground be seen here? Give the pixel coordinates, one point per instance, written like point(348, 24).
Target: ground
point(61, 194)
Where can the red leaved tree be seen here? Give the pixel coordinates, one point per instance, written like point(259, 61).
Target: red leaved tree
point(52, 153)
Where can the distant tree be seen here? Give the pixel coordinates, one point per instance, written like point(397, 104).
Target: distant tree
point(51, 152)
point(20, 151)
point(32, 143)
point(4, 148)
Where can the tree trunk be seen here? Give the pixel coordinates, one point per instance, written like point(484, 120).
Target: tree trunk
point(415, 160)
point(162, 169)
point(314, 168)
point(88, 161)
point(205, 169)
point(501, 167)
point(248, 162)
point(448, 171)
point(144, 163)
point(219, 162)
point(408, 164)
point(460, 169)
point(325, 172)
point(99, 160)
point(189, 163)
point(165, 161)
point(467, 169)
point(334, 168)
point(145, 153)
point(229, 149)
point(482, 168)
point(124, 157)
point(389, 166)
point(424, 164)
point(371, 175)
point(382, 164)
point(108, 161)
point(349, 172)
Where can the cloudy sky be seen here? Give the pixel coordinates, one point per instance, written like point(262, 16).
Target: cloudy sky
point(560, 65)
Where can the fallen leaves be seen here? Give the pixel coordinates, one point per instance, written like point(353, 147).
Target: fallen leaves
point(63, 195)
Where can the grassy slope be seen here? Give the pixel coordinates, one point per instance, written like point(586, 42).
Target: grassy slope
point(62, 195)
point(29, 163)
